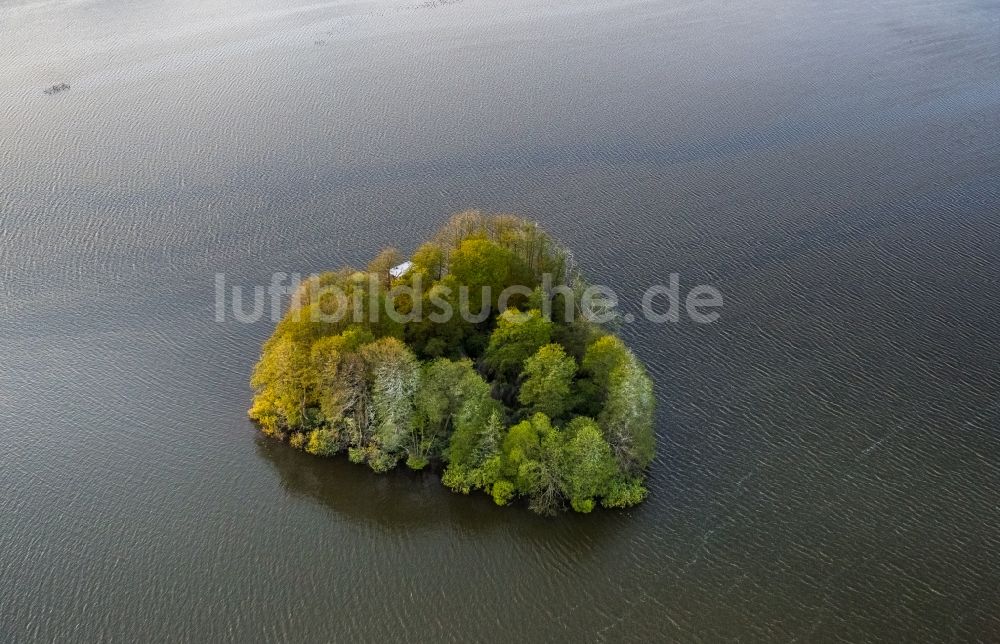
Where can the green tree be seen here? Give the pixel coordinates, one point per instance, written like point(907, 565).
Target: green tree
point(429, 261)
point(305, 325)
point(516, 338)
point(393, 373)
point(627, 418)
point(588, 466)
point(473, 452)
point(445, 386)
point(481, 264)
point(284, 382)
point(624, 492)
point(341, 377)
point(323, 442)
point(535, 250)
point(314, 286)
point(475, 461)
point(532, 453)
point(441, 331)
point(603, 356)
point(548, 378)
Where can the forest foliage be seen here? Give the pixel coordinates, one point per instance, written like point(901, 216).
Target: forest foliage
point(518, 404)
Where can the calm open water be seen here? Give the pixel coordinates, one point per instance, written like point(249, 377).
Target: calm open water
point(829, 463)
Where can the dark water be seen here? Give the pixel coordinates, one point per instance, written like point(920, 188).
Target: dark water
point(829, 464)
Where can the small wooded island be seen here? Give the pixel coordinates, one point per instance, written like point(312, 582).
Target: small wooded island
point(415, 362)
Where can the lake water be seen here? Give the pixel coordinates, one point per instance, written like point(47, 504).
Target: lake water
point(829, 458)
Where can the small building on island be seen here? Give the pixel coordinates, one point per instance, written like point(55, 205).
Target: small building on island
point(398, 271)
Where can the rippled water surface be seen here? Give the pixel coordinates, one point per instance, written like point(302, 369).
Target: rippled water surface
point(829, 462)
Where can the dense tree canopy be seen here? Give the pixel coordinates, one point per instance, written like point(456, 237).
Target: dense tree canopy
point(515, 403)
point(547, 386)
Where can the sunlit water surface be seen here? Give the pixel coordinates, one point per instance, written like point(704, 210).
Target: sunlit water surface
point(829, 461)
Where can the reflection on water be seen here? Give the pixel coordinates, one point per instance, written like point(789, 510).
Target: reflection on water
point(403, 500)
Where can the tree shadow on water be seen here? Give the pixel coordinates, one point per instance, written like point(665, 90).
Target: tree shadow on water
point(403, 500)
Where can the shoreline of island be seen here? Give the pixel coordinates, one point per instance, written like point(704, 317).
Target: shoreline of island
point(524, 398)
